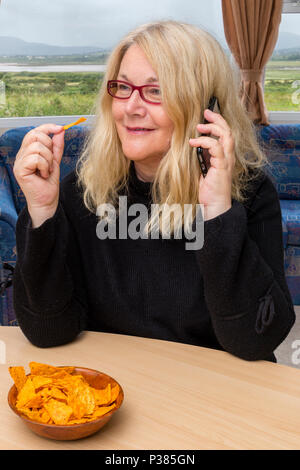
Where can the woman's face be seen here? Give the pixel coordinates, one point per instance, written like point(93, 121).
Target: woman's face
point(148, 145)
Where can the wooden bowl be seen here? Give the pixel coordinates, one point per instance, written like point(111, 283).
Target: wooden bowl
point(71, 432)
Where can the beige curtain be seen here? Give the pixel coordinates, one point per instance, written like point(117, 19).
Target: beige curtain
point(251, 30)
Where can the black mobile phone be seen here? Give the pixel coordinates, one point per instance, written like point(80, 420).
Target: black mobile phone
point(202, 153)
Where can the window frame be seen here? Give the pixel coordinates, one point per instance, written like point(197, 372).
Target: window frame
point(14, 122)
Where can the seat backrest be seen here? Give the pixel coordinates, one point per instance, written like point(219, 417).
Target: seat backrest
point(281, 143)
point(10, 143)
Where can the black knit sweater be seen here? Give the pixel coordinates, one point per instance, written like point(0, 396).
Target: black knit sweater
point(231, 294)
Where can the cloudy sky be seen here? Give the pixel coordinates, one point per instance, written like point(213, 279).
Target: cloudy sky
point(102, 23)
point(98, 22)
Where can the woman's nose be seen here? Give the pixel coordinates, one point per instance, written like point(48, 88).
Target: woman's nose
point(135, 103)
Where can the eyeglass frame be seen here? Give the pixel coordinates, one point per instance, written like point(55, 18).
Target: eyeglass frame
point(134, 87)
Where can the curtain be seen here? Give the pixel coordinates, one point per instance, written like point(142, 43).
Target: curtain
point(251, 30)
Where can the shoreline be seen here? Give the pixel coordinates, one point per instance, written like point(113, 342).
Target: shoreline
point(51, 68)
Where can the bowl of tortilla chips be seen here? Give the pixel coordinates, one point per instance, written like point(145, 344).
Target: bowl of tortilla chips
point(65, 402)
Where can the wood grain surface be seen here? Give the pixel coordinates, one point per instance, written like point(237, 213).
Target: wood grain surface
point(177, 396)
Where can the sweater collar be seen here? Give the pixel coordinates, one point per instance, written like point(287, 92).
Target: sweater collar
point(142, 188)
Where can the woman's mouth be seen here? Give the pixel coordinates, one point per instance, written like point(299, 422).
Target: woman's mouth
point(138, 130)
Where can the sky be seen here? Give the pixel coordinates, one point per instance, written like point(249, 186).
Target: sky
point(102, 23)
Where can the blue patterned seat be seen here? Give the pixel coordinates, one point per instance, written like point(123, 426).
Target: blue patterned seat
point(281, 143)
point(12, 201)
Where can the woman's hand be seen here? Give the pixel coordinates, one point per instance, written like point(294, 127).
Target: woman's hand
point(37, 170)
point(215, 188)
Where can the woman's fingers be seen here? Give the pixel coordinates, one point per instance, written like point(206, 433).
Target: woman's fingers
point(39, 149)
point(58, 146)
point(218, 126)
point(213, 129)
point(34, 162)
point(35, 134)
point(215, 148)
point(38, 136)
point(223, 135)
point(217, 119)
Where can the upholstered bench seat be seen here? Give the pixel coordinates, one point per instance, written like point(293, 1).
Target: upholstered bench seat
point(291, 217)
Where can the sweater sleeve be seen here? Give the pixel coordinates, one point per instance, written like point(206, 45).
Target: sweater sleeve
point(242, 262)
point(48, 294)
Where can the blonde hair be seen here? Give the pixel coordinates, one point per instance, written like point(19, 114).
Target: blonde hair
point(191, 67)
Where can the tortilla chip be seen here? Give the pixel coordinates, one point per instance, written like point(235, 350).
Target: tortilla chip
point(36, 368)
point(39, 381)
point(82, 400)
point(114, 393)
point(26, 393)
point(18, 375)
point(54, 392)
point(44, 416)
point(35, 402)
point(59, 412)
point(102, 410)
point(31, 414)
point(102, 396)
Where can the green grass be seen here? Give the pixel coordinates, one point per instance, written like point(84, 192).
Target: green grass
point(56, 94)
point(49, 94)
point(281, 96)
point(282, 87)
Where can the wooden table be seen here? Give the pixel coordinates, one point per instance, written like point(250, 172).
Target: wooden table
point(176, 396)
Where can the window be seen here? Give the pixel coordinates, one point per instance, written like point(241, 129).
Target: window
point(52, 58)
point(282, 75)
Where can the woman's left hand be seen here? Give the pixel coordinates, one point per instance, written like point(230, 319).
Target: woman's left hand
point(215, 188)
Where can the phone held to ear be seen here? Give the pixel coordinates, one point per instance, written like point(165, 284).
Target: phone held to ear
point(202, 153)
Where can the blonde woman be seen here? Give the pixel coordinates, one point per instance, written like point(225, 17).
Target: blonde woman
point(83, 261)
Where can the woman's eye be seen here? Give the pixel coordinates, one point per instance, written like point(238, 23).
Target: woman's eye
point(123, 87)
point(154, 91)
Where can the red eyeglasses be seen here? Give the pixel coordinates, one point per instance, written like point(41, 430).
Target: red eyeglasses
point(123, 90)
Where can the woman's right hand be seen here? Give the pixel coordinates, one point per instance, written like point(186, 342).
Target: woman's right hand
point(37, 170)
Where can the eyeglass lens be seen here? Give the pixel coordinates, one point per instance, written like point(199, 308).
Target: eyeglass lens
point(122, 90)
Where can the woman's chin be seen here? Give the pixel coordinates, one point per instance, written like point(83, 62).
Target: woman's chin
point(135, 156)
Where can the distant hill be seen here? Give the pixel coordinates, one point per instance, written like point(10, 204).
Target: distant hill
point(288, 44)
point(287, 47)
point(286, 54)
point(11, 46)
point(288, 41)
